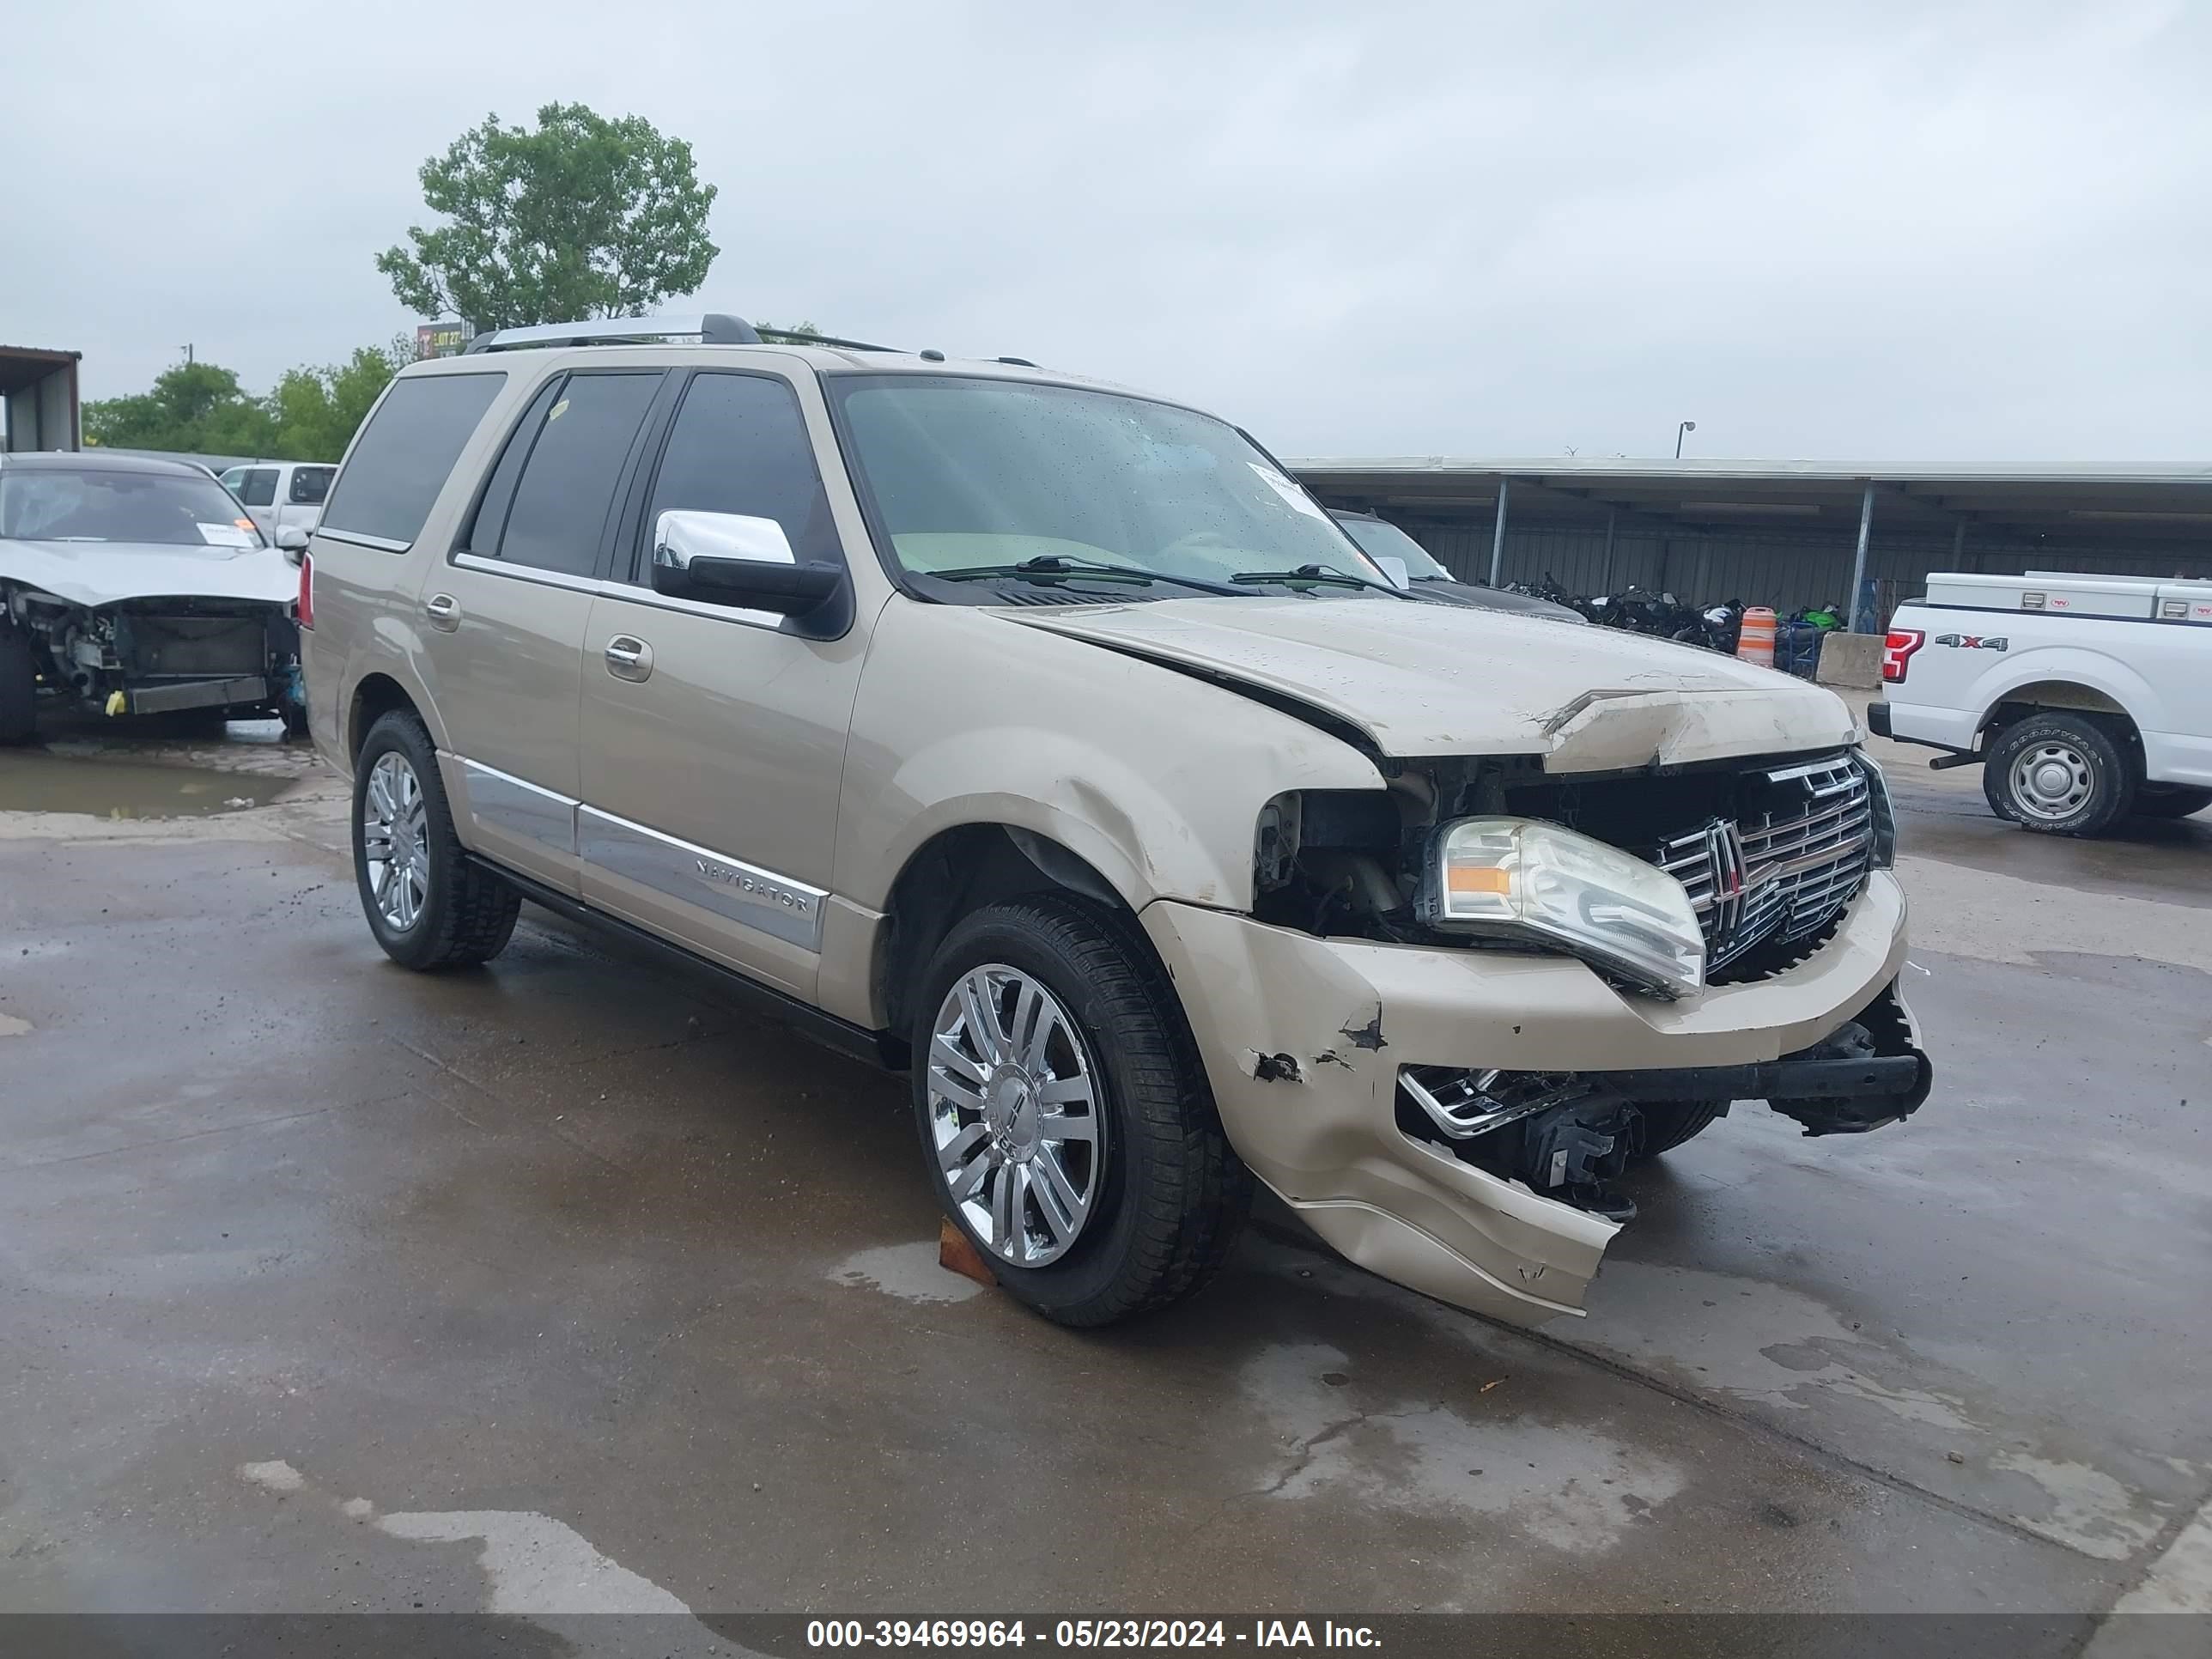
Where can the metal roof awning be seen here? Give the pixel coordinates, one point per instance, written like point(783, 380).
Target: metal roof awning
point(2075, 503)
point(20, 366)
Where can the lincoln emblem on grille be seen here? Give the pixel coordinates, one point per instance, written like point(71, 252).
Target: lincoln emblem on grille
point(1785, 868)
point(1738, 919)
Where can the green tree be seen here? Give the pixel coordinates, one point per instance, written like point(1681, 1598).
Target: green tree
point(195, 407)
point(580, 217)
point(316, 411)
point(200, 409)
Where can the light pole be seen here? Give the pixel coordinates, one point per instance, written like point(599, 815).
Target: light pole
point(1686, 426)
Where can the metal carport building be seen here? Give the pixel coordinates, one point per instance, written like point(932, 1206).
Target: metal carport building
point(1783, 533)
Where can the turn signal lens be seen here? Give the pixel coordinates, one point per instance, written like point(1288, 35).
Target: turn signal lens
point(307, 590)
point(1465, 881)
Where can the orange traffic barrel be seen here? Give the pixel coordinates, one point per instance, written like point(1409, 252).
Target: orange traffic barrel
point(1754, 642)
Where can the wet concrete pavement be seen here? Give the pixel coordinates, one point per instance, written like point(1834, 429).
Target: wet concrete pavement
point(566, 1286)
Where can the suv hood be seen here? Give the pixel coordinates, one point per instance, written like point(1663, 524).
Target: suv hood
point(94, 573)
point(1423, 680)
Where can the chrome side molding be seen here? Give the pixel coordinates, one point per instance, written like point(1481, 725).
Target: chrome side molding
point(745, 893)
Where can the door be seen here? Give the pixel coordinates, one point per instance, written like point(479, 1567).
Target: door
point(505, 617)
point(256, 489)
point(713, 737)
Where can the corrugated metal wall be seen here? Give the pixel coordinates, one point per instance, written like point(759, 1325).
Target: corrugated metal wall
point(1780, 569)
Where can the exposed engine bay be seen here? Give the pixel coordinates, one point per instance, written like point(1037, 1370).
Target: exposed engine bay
point(162, 655)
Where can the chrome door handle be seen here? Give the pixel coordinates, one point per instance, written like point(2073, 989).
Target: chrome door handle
point(443, 611)
point(629, 657)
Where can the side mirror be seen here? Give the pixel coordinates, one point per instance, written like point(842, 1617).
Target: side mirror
point(746, 563)
point(1396, 571)
point(292, 542)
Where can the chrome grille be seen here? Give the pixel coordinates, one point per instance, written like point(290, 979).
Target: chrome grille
point(1784, 870)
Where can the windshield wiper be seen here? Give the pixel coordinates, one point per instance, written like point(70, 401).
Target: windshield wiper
point(1314, 573)
point(1050, 567)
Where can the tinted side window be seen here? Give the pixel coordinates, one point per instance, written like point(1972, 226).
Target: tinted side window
point(310, 484)
point(400, 464)
point(567, 485)
point(257, 486)
point(740, 444)
point(499, 494)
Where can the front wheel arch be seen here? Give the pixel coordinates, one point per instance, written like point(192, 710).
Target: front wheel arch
point(957, 873)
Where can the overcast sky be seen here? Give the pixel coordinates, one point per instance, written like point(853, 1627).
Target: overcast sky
point(1858, 232)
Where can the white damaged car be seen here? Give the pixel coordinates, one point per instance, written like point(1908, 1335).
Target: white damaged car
point(130, 585)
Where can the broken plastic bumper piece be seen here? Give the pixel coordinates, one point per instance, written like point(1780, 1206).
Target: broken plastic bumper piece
point(1533, 1067)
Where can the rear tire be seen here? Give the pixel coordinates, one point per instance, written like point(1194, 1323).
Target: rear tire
point(19, 689)
point(2171, 800)
point(1669, 1123)
point(1085, 1082)
point(427, 905)
point(2059, 774)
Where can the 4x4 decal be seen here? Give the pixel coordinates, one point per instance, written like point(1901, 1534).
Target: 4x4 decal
point(1975, 642)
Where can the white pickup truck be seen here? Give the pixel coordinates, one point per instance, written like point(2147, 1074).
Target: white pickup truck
point(2086, 698)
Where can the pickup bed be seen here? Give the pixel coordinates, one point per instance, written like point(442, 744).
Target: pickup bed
point(2085, 698)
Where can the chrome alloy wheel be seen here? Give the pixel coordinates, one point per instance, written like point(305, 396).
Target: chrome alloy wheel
point(394, 841)
point(1014, 1114)
point(2051, 780)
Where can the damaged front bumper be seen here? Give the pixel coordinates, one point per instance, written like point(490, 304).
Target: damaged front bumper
point(1305, 1038)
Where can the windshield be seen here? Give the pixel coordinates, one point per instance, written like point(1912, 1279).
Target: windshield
point(100, 504)
point(980, 474)
point(1383, 540)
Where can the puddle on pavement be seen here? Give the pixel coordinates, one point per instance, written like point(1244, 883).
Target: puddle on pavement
point(126, 789)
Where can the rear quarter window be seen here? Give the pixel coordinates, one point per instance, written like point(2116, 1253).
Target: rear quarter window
point(400, 462)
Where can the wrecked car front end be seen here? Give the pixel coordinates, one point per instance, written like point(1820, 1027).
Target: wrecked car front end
point(163, 655)
point(133, 586)
point(1431, 1113)
point(1459, 1006)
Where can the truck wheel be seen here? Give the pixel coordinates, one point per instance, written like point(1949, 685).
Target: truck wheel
point(2059, 774)
point(1669, 1123)
point(1066, 1117)
point(2171, 800)
point(426, 904)
point(19, 689)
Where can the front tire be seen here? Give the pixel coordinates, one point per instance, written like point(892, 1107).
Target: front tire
point(1065, 1116)
point(426, 904)
point(2059, 774)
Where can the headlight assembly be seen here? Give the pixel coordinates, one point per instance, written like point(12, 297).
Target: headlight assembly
point(1521, 878)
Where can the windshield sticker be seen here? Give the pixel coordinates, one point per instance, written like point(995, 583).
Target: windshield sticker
point(1293, 497)
point(224, 535)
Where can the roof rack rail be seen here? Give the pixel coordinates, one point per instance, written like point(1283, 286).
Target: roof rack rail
point(808, 337)
point(711, 328)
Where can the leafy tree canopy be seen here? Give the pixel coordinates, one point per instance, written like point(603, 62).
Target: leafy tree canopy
point(201, 409)
point(578, 217)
